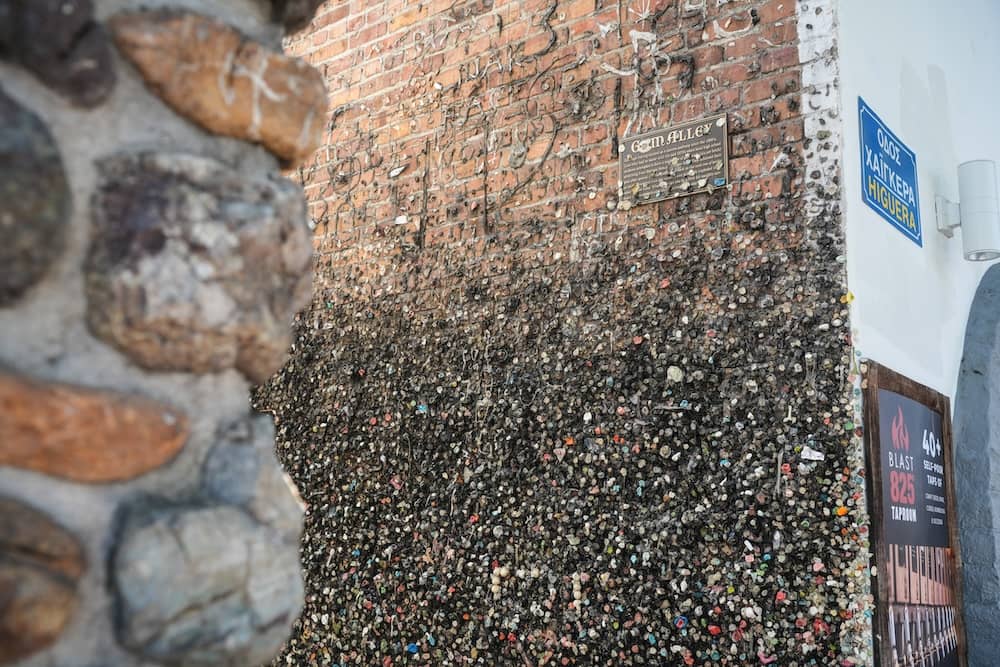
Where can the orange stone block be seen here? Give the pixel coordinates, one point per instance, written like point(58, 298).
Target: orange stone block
point(84, 435)
point(217, 77)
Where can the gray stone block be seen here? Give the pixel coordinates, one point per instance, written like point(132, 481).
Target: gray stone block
point(35, 200)
point(204, 586)
point(195, 266)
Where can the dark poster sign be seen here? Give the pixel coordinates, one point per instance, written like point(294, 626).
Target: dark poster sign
point(675, 161)
point(911, 499)
point(910, 440)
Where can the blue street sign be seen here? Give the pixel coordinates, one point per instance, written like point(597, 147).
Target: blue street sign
point(889, 175)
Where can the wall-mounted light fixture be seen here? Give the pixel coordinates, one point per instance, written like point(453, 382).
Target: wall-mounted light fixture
point(977, 211)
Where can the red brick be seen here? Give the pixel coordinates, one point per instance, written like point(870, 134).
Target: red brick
point(761, 187)
point(775, 59)
point(574, 9)
point(406, 18)
point(707, 56)
point(367, 34)
point(776, 10)
point(723, 100)
point(330, 16)
point(688, 109)
point(756, 164)
point(771, 87)
point(741, 47)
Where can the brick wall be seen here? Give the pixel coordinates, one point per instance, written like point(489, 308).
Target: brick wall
point(454, 123)
point(535, 424)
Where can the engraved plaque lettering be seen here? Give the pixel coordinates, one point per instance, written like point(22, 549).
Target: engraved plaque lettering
point(675, 161)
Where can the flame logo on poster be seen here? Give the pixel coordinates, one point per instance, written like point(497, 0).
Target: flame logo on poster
point(900, 434)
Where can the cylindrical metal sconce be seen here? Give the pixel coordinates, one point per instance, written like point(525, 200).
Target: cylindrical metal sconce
point(980, 210)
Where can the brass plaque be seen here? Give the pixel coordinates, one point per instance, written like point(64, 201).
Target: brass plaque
point(675, 161)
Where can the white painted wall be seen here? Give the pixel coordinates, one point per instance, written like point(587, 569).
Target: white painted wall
point(929, 69)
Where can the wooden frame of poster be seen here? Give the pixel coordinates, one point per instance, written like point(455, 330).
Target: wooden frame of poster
point(918, 587)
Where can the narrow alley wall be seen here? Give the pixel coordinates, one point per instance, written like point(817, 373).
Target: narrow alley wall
point(534, 424)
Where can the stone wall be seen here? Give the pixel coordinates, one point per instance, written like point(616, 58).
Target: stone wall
point(977, 425)
point(535, 423)
point(152, 261)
